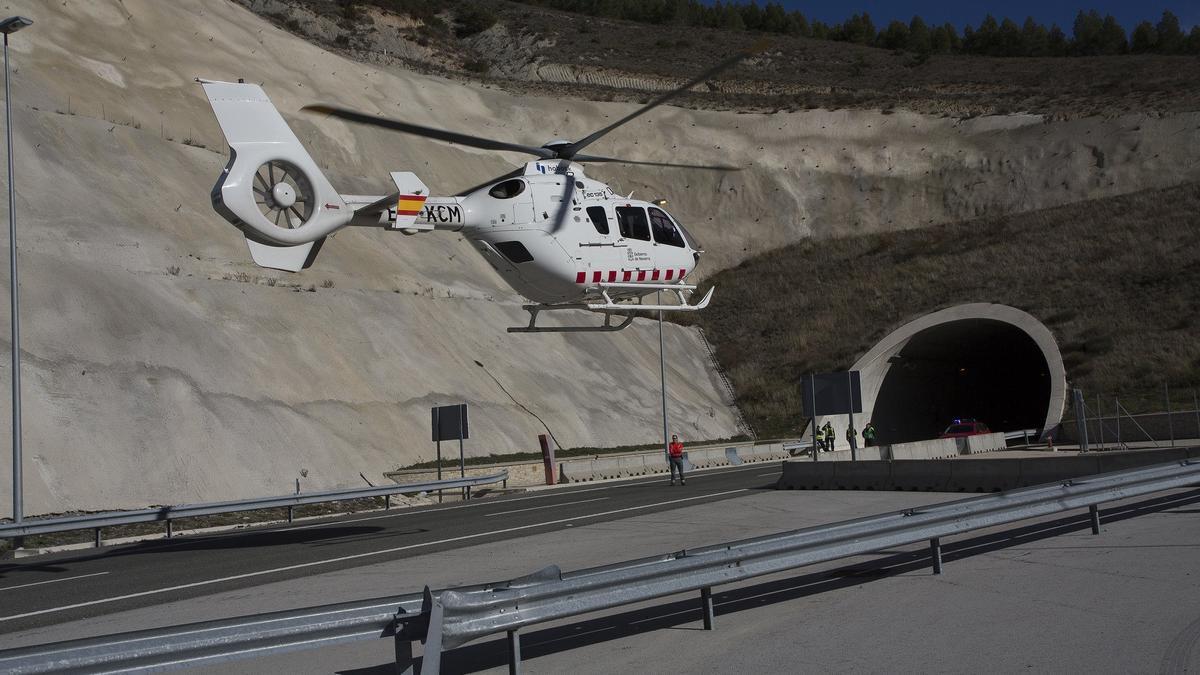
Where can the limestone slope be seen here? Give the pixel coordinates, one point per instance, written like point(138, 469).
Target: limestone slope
point(161, 366)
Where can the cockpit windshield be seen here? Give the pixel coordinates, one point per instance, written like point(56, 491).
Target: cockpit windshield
point(688, 236)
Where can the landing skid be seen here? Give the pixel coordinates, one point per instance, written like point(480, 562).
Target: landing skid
point(611, 308)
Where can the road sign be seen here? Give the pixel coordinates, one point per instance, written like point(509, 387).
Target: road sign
point(835, 393)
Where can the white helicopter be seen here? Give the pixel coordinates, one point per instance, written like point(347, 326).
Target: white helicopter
point(557, 237)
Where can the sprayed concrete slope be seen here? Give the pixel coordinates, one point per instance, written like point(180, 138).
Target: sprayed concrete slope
point(161, 366)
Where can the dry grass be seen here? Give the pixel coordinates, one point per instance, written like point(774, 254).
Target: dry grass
point(1117, 280)
point(793, 73)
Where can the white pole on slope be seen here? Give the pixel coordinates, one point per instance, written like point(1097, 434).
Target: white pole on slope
point(662, 379)
point(9, 26)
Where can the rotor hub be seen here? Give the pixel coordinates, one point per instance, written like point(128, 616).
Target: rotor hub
point(284, 195)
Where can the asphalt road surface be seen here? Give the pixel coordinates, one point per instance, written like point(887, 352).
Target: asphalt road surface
point(55, 588)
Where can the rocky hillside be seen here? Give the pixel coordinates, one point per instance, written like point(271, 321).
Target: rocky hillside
point(1115, 280)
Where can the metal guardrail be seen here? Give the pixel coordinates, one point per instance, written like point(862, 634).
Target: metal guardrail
point(450, 618)
point(167, 514)
point(1025, 434)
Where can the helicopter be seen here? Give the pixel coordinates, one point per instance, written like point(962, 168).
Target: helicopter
point(560, 239)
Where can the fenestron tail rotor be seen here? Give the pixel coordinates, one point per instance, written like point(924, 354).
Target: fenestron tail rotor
point(283, 193)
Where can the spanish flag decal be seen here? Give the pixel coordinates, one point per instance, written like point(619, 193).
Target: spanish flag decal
point(410, 205)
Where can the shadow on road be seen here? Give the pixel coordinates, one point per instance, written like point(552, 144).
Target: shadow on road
point(535, 643)
point(317, 536)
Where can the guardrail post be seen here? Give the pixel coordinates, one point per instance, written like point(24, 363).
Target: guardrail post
point(1094, 512)
point(387, 502)
point(468, 493)
point(935, 551)
point(170, 529)
point(99, 540)
point(514, 652)
point(706, 605)
point(291, 513)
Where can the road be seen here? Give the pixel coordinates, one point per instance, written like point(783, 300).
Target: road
point(54, 588)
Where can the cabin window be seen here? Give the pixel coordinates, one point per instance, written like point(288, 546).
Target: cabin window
point(599, 218)
point(514, 251)
point(508, 189)
point(664, 229)
point(631, 220)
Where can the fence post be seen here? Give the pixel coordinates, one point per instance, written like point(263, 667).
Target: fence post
point(1100, 421)
point(706, 605)
point(514, 652)
point(1080, 420)
point(1118, 399)
point(1170, 422)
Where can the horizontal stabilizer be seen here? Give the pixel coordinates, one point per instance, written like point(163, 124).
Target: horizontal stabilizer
point(286, 258)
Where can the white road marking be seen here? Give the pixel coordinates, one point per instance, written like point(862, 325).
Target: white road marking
point(547, 506)
point(52, 581)
point(550, 493)
point(773, 473)
point(357, 556)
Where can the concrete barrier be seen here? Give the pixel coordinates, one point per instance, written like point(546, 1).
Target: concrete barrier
point(731, 456)
point(983, 443)
point(863, 475)
point(965, 475)
point(812, 476)
point(984, 475)
point(937, 448)
point(930, 475)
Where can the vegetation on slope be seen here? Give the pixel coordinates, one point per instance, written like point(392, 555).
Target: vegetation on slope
point(1092, 34)
point(538, 50)
point(1117, 281)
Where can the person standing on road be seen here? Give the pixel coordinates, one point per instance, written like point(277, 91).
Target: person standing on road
point(830, 436)
point(820, 438)
point(852, 437)
point(869, 434)
point(675, 457)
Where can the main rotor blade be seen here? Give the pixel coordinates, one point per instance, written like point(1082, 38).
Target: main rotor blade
point(511, 174)
point(712, 167)
point(570, 151)
point(426, 132)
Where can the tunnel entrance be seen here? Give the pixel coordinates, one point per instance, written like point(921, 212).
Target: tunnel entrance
point(984, 369)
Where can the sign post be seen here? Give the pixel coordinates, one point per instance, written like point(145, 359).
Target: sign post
point(832, 394)
point(450, 423)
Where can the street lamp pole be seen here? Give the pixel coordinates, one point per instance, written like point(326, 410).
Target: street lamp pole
point(662, 379)
point(9, 26)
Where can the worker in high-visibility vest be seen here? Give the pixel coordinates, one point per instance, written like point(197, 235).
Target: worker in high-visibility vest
point(830, 436)
point(820, 434)
point(675, 458)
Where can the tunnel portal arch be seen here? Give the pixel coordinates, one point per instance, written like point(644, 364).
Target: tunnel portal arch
point(994, 363)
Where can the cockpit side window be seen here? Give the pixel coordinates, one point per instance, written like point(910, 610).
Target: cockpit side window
point(631, 220)
point(508, 189)
point(599, 218)
point(664, 229)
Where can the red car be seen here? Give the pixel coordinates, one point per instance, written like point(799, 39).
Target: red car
point(962, 428)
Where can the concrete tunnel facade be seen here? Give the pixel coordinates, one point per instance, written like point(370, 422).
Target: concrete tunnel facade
point(993, 363)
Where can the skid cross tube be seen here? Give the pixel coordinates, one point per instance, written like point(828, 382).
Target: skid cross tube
point(449, 618)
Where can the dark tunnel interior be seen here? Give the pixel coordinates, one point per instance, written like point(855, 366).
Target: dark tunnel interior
point(974, 368)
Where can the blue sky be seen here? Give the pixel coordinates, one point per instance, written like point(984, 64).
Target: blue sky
point(961, 12)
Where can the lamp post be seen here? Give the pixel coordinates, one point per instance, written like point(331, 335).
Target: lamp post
point(9, 26)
